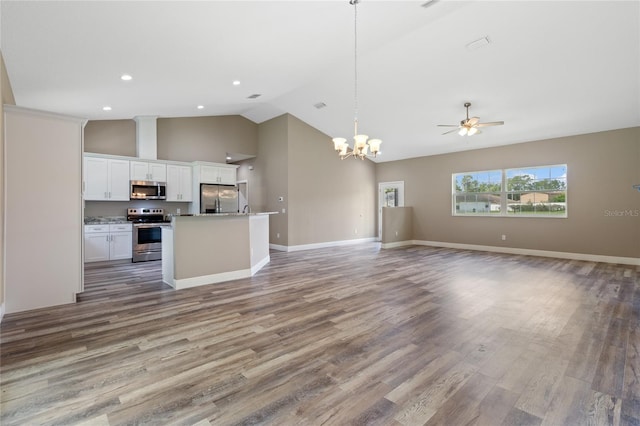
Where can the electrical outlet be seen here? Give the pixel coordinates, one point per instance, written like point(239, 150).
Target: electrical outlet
point(284, 210)
point(396, 233)
point(504, 237)
point(355, 231)
point(278, 235)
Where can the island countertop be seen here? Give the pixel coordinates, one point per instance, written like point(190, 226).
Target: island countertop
point(222, 214)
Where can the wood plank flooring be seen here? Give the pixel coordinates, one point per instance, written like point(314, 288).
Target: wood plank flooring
point(350, 335)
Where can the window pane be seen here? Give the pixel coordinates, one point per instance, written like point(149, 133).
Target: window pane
point(477, 203)
point(537, 178)
point(486, 181)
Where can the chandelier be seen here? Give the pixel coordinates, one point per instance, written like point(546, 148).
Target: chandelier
point(361, 143)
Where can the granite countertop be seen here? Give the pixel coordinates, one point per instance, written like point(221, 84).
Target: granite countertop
point(223, 214)
point(105, 220)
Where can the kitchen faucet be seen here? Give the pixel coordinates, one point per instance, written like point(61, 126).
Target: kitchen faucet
point(246, 209)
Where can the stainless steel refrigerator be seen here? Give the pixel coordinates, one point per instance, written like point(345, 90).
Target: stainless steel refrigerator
point(218, 198)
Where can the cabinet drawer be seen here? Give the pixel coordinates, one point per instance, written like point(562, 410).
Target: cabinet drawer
point(90, 229)
point(120, 227)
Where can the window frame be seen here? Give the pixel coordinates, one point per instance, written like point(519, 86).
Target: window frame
point(505, 194)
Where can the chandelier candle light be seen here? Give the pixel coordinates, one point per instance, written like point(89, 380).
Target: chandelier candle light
point(361, 142)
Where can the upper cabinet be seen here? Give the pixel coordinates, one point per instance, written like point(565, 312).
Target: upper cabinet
point(146, 170)
point(221, 174)
point(106, 179)
point(179, 183)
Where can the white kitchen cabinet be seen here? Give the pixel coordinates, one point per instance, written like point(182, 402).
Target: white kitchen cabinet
point(218, 174)
point(96, 243)
point(145, 170)
point(121, 242)
point(107, 242)
point(106, 179)
point(179, 183)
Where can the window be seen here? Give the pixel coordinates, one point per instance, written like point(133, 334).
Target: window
point(478, 192)
point(537, 191)
point(528, 191)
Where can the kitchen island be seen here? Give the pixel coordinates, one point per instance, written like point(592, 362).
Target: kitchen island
point(211, 248)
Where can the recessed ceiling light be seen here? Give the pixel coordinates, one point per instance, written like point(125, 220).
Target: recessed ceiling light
point(125, 77)
point(236, 82)
point(320, 105)
point(200, 106)
point(254, 96)
point(106, 108)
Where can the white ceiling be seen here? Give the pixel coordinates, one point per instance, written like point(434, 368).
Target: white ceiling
point(553, 68)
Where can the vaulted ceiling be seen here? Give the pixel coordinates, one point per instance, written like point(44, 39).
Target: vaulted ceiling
point(550, 69)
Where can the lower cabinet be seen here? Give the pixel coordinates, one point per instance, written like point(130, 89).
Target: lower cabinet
point(107, 242)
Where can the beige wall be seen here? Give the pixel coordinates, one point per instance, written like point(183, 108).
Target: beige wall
point(325, 199)
point(51, 145)
point(6, 97)
point(210, 245)
point(271, 176)
point(329, 199)
point(113, 137)
point(602, 167)
point(179, 139)
point(206, 138)
point(397, 224)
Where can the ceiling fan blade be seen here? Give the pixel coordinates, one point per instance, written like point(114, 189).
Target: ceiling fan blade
point(491, 123)
point(450, 131)
point(448, 125)
point(472, 121)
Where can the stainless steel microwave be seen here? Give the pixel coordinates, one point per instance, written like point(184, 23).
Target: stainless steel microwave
point(147, 190)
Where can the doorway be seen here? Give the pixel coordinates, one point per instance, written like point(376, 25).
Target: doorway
point(390, 194)
point(243, 196)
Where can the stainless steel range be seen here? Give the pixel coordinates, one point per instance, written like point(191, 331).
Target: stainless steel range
point(147, 233)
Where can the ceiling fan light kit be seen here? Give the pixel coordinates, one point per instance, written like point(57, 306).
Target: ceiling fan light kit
point(469, 126)
point(361, 143)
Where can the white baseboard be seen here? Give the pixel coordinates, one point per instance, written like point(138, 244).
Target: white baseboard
point(210, 279)
point(396, 244)
point(321, 245)
point(255, 268)
point(218, 278)
point(531, 252)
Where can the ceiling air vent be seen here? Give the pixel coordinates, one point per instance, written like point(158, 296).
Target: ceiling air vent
point(320, 105)
point(254, 96)
point(477, 44)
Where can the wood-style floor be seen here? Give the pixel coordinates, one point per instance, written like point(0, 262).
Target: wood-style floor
point(351, 335)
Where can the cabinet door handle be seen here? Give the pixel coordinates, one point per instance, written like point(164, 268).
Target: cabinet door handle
point(106, 195)
point(109, 194)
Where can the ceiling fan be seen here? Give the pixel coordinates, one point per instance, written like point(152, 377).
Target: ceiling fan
point(469, 126)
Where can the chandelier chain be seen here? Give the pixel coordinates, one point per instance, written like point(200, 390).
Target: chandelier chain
point(355, 64)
